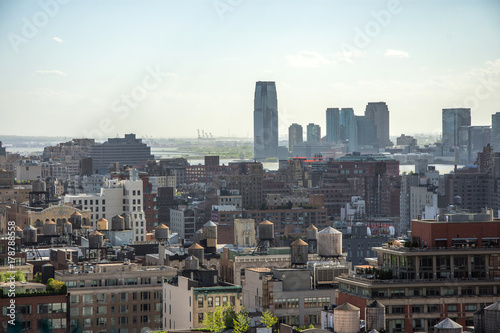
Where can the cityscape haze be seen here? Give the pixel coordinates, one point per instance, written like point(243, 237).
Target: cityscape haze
point(105, 76)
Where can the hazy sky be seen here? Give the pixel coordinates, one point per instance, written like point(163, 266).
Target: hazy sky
point(167, 68)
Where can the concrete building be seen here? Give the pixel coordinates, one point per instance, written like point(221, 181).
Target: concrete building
point(293, 299)
point(116, 198)
point(244, 233)
point(313, 133)
point(378, 113)
point(190, 296)
point(119, 296)
point(295, 135)
point(6, 179)
point(183, 222)
point(28, 170)
point(451, 272)
point(125, 151)
point(248, 183)
point(452, 120)
point(265, 118)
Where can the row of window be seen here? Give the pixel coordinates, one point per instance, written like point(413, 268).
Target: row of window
point(118, 297)
point(124, 320)
point(41, 309)
point(210, 301)
point(112, 282)
point(309, 302)
point(123, 308)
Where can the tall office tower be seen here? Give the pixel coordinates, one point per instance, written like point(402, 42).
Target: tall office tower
point(452, 120)
point(348, 128)
point(265, 121)
point(495, 131)
point(366, 132)
point(379, 115)
point(295, 135)
point(313, 133)
point(333, 125)
point(472, 140)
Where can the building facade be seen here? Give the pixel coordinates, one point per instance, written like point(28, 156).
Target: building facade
point(265, 118)
point(452, 119)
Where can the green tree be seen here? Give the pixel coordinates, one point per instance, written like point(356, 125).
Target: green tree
point(57, 286)
point(268, 319)
point(2, 277)
point(229, 316)
point(19, 276)
point(241, 322)
point(214, 321)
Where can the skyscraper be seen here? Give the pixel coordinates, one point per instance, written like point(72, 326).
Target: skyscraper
point(313, 133)
point(378, 113)
point(348, 128)
point(295, 135)
point(495, 131)
point(265, 121)
point(452, 120)
point(333, 125)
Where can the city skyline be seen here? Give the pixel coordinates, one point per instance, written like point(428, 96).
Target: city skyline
point(70, 77)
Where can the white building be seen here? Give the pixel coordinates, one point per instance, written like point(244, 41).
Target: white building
point(116, 198)
point(353, 209)
point(182, 221)
point(28, 170)
point(420, 197)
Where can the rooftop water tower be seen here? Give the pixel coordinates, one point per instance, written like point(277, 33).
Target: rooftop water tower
point(298, 253)
point(266, 237)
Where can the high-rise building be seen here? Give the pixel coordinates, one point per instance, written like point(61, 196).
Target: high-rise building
point(333, 125)
point(471, 140)
point(452, 120)
point(379, 115)
point(295, 135)
point(348, 128)
point(265, 121)
point(366, 132)
point(313, 133)
point(495, 131)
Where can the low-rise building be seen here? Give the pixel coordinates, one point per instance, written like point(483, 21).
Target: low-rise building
point(119, 296)
point(188, 297)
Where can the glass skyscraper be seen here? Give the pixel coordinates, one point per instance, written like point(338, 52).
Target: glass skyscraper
point(333, 125)
point(265, 121)
point(452, 120)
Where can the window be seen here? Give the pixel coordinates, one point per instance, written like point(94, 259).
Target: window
point(200, 317)
point(88, 299)
point(470, 307)
point(417, 309)
point(210, 301)
point(200, 301)
point(87, 311)
point(224, 300)
point(398, 309)
point(217, 301)
point(432, 308)
point(100, 310)
point(452, 308)
point(293, 303)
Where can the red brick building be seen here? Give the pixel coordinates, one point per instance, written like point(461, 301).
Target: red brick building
point(35, 312)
